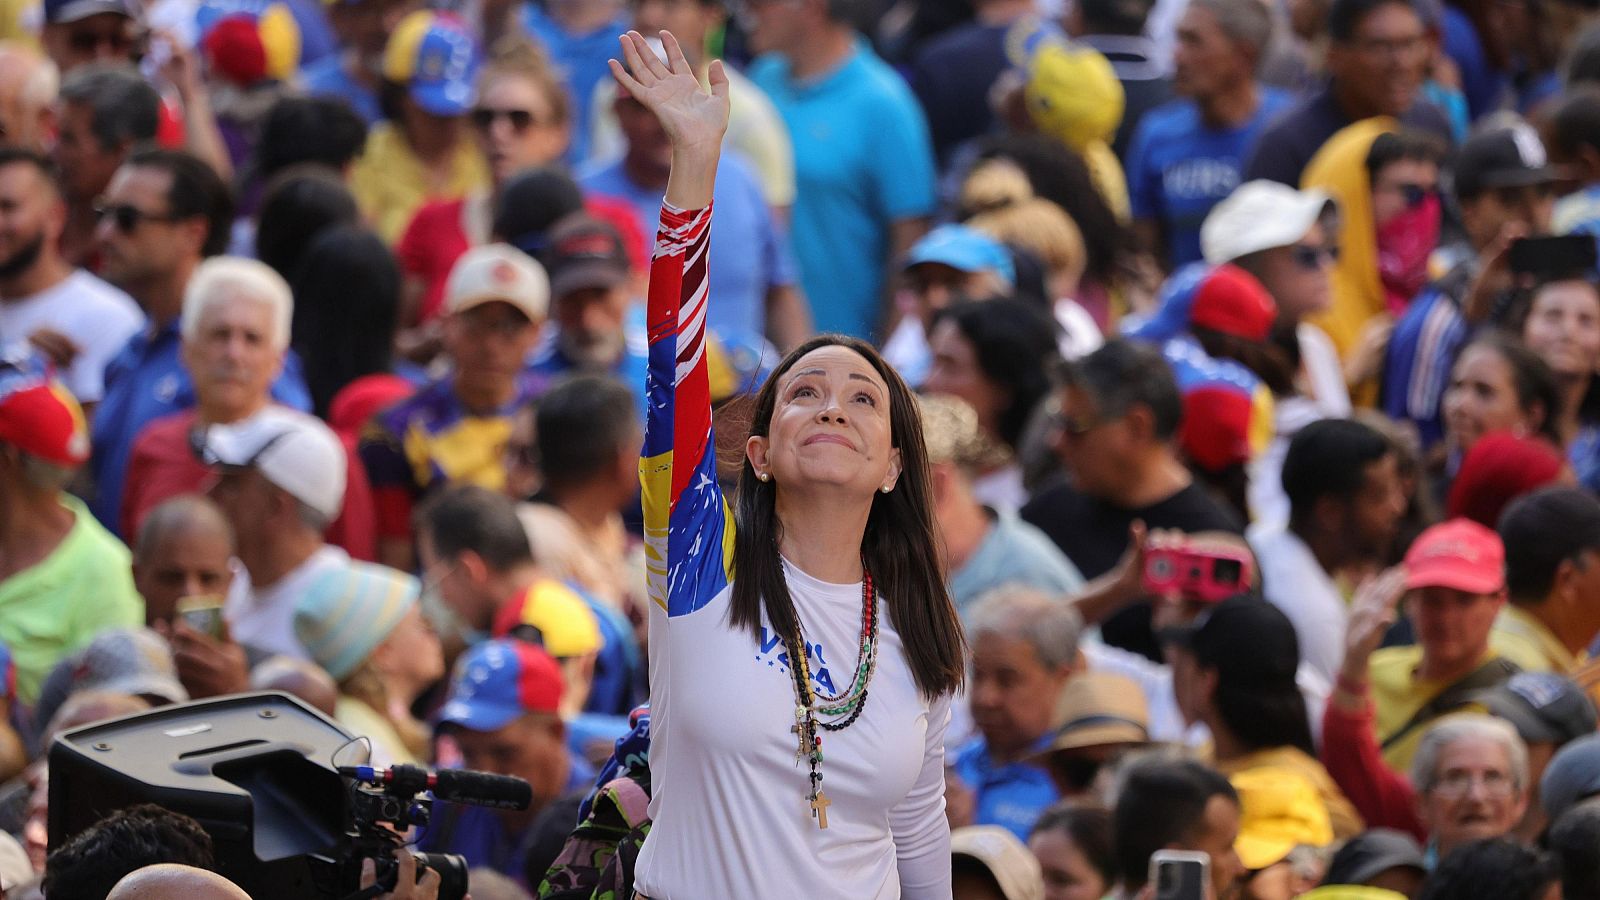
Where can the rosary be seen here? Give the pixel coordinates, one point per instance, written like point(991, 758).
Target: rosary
point(843, 709)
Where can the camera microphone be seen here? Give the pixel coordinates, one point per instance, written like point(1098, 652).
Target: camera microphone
point(452, 785)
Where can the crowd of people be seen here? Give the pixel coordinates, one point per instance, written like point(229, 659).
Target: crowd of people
point(327, 367)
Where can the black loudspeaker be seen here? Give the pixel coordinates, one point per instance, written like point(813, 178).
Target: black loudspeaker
point(255, 770)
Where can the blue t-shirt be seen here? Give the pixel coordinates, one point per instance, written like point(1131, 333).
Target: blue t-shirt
point(582, 61)
point(1178, 168)
point(1012, 795)
point(748, 251)
point(863, 160)
point(327, 77)
point(145, 381)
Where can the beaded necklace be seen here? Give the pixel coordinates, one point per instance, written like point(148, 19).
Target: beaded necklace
point(844, 708)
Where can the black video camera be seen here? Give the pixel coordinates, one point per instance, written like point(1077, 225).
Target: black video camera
point(256, 771)
point(385, 803)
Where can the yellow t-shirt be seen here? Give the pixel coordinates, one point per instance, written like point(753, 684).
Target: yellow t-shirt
point(390, 183)
point(1520, 637)
point(1397, 695)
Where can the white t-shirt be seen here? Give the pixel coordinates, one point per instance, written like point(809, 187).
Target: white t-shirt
point(1293, 581)
point(263, 617)
point(93, 314)
point(729, 808)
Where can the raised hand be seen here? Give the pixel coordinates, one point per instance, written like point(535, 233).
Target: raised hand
point(693, 118)
point(1372, 611)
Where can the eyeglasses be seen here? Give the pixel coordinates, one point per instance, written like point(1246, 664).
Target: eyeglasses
point(1453, 785)
point(1309, 257)
point(127, 218)
point(521, 119)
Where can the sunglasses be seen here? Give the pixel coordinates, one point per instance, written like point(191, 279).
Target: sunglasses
point(1308, 257)
point(128, 218)
point(521, 119)
point(1415, 194)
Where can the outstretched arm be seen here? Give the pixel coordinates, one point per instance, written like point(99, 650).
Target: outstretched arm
point(695, 120)
point(688, 530)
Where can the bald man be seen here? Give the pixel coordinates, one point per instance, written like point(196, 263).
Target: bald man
point(184, 549)
point(29, 82)
point(167, 880)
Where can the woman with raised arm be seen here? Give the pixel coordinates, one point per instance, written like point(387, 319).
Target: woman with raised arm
point(798, 710)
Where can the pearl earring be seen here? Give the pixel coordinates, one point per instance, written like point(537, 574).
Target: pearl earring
point(764, 476)
point(887, 488)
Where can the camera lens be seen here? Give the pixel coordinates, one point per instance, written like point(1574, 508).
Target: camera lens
point(1227, 571)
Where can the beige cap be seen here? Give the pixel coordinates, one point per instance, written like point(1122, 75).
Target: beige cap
point(498, 272)
point(1100, 708)
point(1014, 868)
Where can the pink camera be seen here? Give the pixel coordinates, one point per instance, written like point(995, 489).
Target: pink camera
point(1207, 574)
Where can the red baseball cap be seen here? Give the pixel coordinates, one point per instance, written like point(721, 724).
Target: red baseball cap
point(1232, 301)
point(1458, 554)
point(39, 417)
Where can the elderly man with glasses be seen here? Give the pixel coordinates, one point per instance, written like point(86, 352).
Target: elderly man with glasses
point(1471, 776)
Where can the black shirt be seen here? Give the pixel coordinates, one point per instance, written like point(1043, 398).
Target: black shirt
point(1093, 534)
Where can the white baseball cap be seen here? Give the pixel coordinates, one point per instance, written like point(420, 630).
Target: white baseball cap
point(1259, 215)
point(294, 451)
point(498, 272)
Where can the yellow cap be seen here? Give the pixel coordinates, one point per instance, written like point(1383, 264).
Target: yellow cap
point(1073, 94)
point(565, 623)
point(1279, 810)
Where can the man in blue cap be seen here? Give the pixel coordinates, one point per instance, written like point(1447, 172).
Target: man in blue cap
point(502, 714)
point(949, 264)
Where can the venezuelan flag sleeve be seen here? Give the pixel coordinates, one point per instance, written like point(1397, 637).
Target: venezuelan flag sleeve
point(688, 529)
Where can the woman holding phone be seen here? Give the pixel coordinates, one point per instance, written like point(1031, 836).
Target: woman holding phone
point(798, 709)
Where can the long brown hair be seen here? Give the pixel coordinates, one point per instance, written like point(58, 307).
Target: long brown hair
point(899, 546)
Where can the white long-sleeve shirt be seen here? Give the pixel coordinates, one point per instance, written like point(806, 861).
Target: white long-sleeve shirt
point(729, 808)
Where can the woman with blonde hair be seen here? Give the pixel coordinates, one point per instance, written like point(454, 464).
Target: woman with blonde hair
point(363, 624)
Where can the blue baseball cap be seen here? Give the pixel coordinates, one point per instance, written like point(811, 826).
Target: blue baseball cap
point(499, 681)
point(964, 248)
point(434, 55)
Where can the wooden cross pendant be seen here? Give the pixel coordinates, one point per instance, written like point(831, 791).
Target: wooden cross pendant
point(819, 809)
